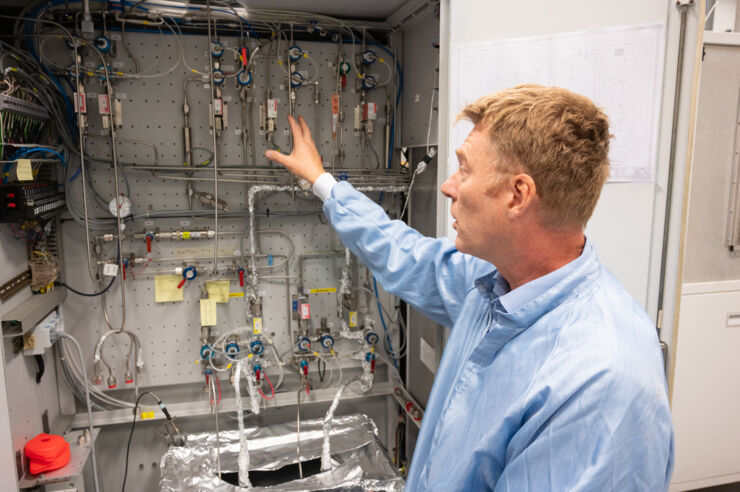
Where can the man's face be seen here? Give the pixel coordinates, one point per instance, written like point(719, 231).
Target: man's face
point(477, 198)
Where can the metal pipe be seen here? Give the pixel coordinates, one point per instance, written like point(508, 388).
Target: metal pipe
point(215, 141)
point(671, 166)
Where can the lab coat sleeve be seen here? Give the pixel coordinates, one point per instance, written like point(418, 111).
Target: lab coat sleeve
point(601, 438)
point(429, 274)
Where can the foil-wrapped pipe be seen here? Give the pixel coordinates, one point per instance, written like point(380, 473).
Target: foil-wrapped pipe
point(243, 459)
point(328, 420)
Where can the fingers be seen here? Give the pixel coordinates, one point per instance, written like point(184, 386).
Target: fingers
point(295, 129)
point(305, 129)
point(276, 156)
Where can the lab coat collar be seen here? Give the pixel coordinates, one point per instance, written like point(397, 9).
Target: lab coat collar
point(529, 302)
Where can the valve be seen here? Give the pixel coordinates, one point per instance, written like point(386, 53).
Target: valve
point(368, 57)
point(103, 44)
point(257, 371)
point(217, 49)
point(206, 352)
point(232, 348)
point(257, 347)
point(327, 341)
point(188, 273)
point(304, 377)
point(218, 77)
point(370, 357)
point(240, 271)
point(124, 266)
point(243, 57)
point(149, 236)
point(111, 381)
point(128, 378)
point(369, 82)
point(295, 53)
point(371, 338)
point(244, 78)
point(296, 79)
point(304, 344)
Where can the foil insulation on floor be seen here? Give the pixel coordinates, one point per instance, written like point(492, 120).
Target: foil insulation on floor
point(359, 462)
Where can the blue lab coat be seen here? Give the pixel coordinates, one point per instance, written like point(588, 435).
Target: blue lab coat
point(556, 385)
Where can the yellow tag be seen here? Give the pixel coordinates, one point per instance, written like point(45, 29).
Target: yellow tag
point(165, 288)
point(208, 312)
point(323, 291)
point(352, 319)
point(381, 60)
point(147, 415)
point(90, 74)
point(280, 62)
point(23, 170)
point(305, 55)
point(236, 294)
point(257, 326)
point(186, 235)
point(218, 290)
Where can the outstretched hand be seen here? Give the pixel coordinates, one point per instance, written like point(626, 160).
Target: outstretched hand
point(304, 160)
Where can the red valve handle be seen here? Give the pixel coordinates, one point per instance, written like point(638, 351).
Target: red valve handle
point(111, 386)
point(123, 269)
point(372, 365)
point(129, 381)
point(244, 57)
point(182, 282)
point(257, 373)
point(344, 81)
point(241, 278)
point(148, 244)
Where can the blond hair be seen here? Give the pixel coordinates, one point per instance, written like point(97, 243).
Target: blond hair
point(559, 138)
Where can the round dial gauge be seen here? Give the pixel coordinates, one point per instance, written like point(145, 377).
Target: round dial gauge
point(120, 206)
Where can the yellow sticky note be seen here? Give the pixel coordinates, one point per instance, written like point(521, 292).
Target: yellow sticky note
point(218, 290)
point(165, 288)
point(208, 312)
point(23, 170)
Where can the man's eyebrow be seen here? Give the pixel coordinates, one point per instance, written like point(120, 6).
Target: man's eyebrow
point(460, 154)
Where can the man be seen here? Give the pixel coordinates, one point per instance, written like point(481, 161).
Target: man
point(552, 375)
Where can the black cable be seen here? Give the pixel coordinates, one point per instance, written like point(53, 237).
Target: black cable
point(131, 434)
point(113, 279)
point(321, 373)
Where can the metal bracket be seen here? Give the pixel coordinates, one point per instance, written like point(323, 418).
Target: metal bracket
point(27, 314)
point(15, 284)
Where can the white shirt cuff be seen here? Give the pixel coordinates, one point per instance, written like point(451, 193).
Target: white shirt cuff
point(323, 185)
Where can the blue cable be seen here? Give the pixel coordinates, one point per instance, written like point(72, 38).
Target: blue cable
point(382, 321)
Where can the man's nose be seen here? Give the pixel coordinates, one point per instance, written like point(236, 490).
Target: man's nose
point(449, 187)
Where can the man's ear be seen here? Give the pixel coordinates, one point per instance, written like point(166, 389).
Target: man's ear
point(521, 194)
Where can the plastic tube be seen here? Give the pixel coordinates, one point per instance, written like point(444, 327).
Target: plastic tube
point(89, 409)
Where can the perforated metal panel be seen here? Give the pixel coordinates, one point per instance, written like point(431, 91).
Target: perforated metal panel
point(170, 333)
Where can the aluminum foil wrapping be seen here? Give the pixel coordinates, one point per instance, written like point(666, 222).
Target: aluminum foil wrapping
point(326, 447)
point(360, 462)
point(243, 459)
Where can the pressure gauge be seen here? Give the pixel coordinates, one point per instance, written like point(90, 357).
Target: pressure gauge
point(121, 207)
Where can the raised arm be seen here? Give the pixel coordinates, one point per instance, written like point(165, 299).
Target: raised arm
point(429, 274)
